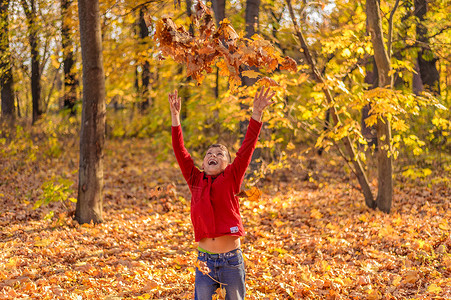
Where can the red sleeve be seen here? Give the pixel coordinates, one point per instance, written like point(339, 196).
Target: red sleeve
point(189, 170)
point(244, 154)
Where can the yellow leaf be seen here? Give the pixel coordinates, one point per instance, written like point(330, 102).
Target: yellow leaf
point(397, 280)
point(433, 288)
point(346, 53)
point(444, 225)
point(42, 243)
point(363, 218)
point(316, 214)
point(250, 73)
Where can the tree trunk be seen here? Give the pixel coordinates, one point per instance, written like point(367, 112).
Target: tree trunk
point(184, 90)
point(30, 12)
point(6, 77)
point(352, 157)
point(219, 10)
point(371, 78)
point(92, 139)
point(385, 167)
point(70, 81)
point(145, 74)
point(251, 18)
point(252, 11)
point(427, 59)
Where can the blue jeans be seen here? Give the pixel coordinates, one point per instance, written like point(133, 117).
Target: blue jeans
point(226, 268)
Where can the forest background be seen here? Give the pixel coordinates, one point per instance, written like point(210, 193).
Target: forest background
point(312, 232)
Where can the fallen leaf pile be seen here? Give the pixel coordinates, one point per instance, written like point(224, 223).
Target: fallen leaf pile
point(307, 238)
point(200, 53)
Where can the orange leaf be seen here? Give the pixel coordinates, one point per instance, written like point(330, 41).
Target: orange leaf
point(266, 81)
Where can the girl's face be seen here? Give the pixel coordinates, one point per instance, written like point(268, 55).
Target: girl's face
point(215, 161)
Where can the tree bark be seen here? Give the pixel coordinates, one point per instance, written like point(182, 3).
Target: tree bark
point(352, 157)
point(385, 165)
point(33, 38)
point(427, 59)
point(6, 75)
point(252, 11)
point(90, 187)
point(145, 74)
point(251, 19)
point(219, 10)
point(70, 78)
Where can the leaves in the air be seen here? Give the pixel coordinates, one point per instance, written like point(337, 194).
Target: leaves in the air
point(221, 46)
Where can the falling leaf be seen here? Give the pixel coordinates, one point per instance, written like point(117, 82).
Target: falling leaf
point(267, 82)
point(202, 266)
point(250, 73)
point(220, 293)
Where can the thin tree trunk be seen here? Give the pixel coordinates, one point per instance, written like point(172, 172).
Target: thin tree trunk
point(385, 165)
point(70, 81)
point(252, 24)
point(30, 12)
point(184, 90)
point(352, 157)
point(251, 18)
point(219, 11)
point(145, 74)
point(90, 187)
point(6, 78)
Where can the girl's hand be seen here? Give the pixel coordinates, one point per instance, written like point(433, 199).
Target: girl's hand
point(175, 103)
point(261, 101)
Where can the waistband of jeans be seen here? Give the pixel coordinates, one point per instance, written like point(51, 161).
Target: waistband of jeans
point(220, 255)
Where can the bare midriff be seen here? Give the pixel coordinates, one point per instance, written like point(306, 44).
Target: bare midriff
point(220, 244)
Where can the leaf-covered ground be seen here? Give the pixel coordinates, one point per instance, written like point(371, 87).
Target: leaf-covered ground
point(309, 235)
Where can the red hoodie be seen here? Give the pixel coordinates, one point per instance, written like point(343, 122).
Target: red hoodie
point(215, 208)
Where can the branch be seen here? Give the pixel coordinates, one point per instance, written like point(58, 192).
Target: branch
point(139, 6)
point(440, 32)
point(390, 28)
point(47, 99)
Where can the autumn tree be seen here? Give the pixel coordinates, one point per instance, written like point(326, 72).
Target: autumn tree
point(6, 76)
point(348, 145)
point(383, 127)
point(30, 9)
point(92, 137)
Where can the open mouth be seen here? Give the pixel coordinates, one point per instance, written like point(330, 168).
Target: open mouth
point(212, 163)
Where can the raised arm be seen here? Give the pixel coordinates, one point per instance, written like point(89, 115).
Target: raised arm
point(189, 170)
point(175, 103)
point(243, 157)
